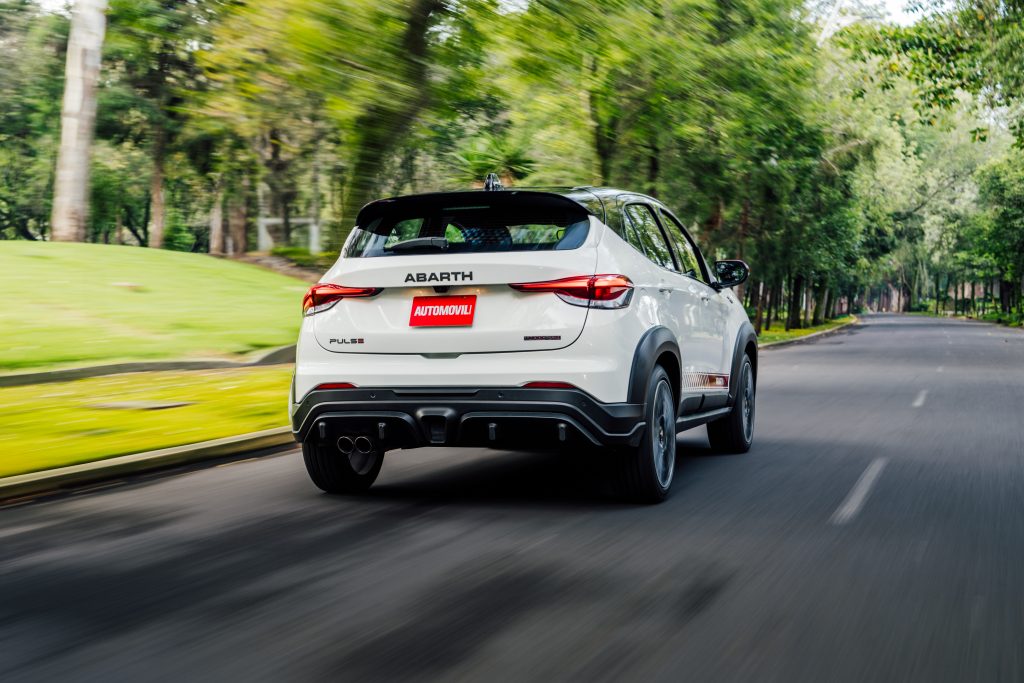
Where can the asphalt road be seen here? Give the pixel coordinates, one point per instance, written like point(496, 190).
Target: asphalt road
point(874, 532)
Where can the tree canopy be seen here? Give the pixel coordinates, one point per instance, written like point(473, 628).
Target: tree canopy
point(851, 161)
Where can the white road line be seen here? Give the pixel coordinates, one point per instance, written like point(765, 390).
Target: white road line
point(859, 493)
point(919, 401)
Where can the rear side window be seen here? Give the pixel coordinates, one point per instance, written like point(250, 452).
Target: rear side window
point(430, 226)
point(643, 222)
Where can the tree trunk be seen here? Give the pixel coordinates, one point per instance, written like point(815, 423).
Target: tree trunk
point(237, 219)
point(795, 304)
point(819, 306)
point(286, 222)
point(217, 222)
point(379, 127)
point(759, 292)
point(806, 303)
point(158, 207)
point(77, 121)
point(314, 228)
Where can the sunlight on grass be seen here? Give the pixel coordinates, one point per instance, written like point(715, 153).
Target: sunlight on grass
point(91, 303)
point(52, 425)
point(777, 334)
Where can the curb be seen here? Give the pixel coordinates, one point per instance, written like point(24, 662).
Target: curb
point(279, 356)
point(824, 333)
point(63, 478)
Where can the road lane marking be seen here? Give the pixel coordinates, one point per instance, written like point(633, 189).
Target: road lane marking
point(919, 401)
point(859, 493)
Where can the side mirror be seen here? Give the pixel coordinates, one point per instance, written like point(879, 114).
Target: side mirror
point(731, 273)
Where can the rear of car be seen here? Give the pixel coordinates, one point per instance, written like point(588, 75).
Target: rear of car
point(503, 319)
point(459, 319)
point(432, 274)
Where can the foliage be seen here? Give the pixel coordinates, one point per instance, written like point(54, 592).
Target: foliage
point(844, 168)
point(31, 73)
point(1000, 233)
point(301, 257)
point(491, 154)
point(971, 46)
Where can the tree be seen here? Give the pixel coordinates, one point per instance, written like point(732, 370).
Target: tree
point(78, 120)
point(150, 54)
point(1001, 185)
point(32, 50)
point(967, 46)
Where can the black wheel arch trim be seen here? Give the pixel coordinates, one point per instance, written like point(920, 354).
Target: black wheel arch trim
point(654, 342)
point(744, 338)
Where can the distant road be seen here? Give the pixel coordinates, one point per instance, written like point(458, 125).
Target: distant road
point(874, 532)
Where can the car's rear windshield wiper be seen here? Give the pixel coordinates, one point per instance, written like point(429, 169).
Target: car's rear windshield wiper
point(439, 243)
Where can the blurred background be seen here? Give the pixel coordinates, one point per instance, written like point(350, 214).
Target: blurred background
point(174, 174)
point(860, 156)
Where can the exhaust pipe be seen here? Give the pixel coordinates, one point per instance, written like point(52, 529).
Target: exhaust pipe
point(345, 445)
point(363, 444)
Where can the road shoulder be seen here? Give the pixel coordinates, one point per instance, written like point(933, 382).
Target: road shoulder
point(854, 320)
point(25, 486)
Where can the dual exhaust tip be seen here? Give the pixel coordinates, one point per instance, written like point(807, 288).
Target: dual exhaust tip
point(361, 444)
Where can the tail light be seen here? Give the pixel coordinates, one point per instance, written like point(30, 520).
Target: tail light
point(321, 297)
point(594, 291)
point(548, 385)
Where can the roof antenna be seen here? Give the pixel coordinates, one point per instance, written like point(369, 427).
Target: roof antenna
point(492, 183)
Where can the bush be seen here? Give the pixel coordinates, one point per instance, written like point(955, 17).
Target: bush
point(302, 257)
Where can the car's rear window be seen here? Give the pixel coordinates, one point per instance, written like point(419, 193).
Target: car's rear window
point(481, 224)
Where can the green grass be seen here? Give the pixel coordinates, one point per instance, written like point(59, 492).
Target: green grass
point(777, 334)
point(92, 303)
point(52, 425)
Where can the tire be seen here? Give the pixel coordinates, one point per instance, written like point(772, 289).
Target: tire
point(647, 471)
point(734, 433)
point(334, 472)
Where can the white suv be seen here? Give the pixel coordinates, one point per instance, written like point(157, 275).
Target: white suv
point(583, 317)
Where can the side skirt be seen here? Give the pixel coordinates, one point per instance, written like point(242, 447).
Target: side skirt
point(697, 419)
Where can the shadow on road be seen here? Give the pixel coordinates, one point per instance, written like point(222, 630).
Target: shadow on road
point(563, 479)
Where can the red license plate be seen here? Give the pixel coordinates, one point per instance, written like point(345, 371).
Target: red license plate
point(442, 311)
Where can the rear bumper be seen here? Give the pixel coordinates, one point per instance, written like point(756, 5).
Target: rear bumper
point(467, 416)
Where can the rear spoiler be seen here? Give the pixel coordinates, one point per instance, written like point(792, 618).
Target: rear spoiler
point(441, 200)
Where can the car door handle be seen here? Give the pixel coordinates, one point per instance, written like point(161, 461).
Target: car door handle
point(665, 290)
point(705, 297)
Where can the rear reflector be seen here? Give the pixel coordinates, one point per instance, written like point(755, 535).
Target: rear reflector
point(322, 296)
point(594, 291)
point(334, 385)
point(548, 385)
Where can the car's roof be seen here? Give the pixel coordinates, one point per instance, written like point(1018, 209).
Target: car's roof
point(601, 192)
